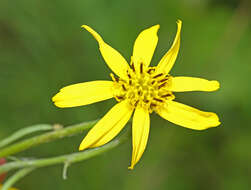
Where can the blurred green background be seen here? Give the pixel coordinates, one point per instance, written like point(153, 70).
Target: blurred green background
point(43, 48)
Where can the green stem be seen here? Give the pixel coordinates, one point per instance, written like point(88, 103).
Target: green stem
point(17, 176)
point(47, 137)
point(70, 158)
point(25, 131)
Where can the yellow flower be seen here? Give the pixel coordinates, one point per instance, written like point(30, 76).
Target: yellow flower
point(141, 88)
point(9, 188)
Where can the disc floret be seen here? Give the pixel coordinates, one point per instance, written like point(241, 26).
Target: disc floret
point(143, 87)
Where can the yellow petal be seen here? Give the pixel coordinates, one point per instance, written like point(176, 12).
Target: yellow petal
point(182, 84)
point(140, 132)
point(167, 61)
point(144, 46)
point(108, 127)
point(113, 58)
point(83, 93)
point(187, 116)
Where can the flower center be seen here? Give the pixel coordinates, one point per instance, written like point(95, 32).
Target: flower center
point(143, 87)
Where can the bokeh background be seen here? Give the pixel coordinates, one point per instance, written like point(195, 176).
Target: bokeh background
point(43, 48)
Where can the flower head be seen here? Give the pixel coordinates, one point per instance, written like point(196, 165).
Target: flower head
point(140, 88)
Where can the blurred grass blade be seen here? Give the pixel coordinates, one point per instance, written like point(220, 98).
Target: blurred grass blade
point(25, 131)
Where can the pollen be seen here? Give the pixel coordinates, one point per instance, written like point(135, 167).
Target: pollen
point(143, 87)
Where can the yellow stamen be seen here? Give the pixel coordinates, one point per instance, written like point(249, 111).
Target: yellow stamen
point(143, 87)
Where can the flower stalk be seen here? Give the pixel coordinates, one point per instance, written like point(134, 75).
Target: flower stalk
point(46, 137)
point(16, 177)
point(68, 158)
point(26, 166)
point(25, 131)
